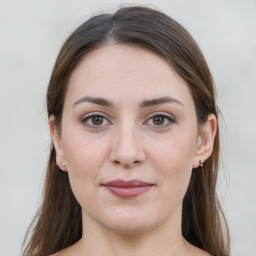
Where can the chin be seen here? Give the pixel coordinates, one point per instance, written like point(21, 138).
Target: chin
point(128, 228)
point(129, 222)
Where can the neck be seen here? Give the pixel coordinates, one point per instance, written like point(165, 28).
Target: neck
point(165, 239)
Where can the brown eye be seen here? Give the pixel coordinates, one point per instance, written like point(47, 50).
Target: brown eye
point(97, 120)
point(158, 120)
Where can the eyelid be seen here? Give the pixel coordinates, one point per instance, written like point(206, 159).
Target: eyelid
point(168, 116)
point(161, 113)
point(90, 114)
point(93, 114)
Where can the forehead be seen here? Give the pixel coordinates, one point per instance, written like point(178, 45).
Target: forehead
point(121, 71)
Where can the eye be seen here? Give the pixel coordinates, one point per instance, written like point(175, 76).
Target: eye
point(95, 120)
point(160, 120)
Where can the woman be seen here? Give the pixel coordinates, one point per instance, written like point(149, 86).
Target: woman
point(134, 160)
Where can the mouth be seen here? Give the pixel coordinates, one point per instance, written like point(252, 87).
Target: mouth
point(127, 189)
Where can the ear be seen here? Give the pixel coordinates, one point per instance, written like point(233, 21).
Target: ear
point(205, 140)
point(56, 138)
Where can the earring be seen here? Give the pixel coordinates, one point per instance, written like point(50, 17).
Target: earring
point(201, 162)
point(62, 166)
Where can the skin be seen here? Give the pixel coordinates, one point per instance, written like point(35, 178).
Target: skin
point(158, 143)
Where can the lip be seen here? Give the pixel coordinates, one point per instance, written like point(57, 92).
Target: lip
point(127, 189)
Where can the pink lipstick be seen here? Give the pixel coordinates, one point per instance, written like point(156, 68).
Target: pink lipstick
point(126, 189)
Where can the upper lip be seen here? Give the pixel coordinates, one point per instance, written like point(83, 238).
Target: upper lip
point(127, 184)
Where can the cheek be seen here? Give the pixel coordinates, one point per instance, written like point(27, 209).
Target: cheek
point(175, 153)
point(83, 153)
point(85, 157)
point(173, 160)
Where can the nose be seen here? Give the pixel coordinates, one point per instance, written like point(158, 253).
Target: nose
point(127, 149)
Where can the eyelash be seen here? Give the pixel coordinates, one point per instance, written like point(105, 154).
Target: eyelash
point(89, 116)
point(167, 117)
point(170, 120)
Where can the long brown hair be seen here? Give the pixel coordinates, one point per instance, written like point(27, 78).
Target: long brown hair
point(58, 223)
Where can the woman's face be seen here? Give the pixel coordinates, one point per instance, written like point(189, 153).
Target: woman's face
point(129, 139)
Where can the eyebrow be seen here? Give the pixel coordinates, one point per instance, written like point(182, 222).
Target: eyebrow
point(95, 100)
point(158, 101)
point(144, 104)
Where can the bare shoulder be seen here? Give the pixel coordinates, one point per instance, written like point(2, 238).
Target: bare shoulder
point(197, 251)
point(61, 253)
point(69, 251)
point(200, 252)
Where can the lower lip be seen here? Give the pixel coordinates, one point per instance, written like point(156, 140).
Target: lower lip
point(128, 192)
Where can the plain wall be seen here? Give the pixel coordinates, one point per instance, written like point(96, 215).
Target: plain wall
point(31, 34)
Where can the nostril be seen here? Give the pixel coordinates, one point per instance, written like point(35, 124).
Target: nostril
point(116, 162)
point(126, 164)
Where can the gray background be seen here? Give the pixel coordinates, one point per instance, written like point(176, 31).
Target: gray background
point(31, 34)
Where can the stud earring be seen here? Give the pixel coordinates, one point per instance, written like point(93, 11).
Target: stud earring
point(62, 166)
point(201, 162)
